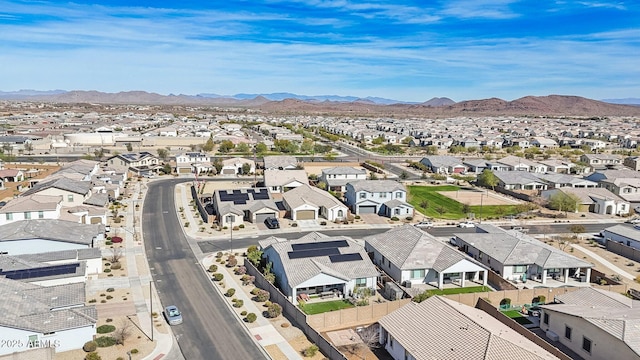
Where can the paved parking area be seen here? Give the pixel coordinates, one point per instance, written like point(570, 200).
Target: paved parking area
point(374, 219)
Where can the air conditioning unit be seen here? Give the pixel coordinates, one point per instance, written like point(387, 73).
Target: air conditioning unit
point(552, 336)
point(406, 283)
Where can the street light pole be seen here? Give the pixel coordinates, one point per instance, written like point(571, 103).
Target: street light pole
point(151, 307)
point(231, 218)
point(481, 198)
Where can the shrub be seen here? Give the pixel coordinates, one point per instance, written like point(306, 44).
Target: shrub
point(232, 262)
point(267, 303)
point(92, 301)
point(109, 297)
point(116, 266)
point(92, 356)
point(255, 291)
point(219, 254)
point(213, 268)
point(540, 299)
point(251, 317)
point(294, 225)
point(218, 276)
point(252, 248)
point(357, 217)
point(311, 351)
point(109, 320)
point(105, 329)
point(241, 270)
point(105, 341)
point(409, 218)
point(323, 223)
point(107, 270)
point(238, 303)
point(90, 346)
point(241, 226)
point(285, 325)
point(274, 310)
point(186, 224)
point(108, 243)
point(134, 351)
point(395, 218)
point(262, 295)
point(230, 292)
point(243, 313)
point(111, 289)
point(248, 279)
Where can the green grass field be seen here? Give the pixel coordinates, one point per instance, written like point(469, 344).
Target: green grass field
point(452, 209)
point(322, 307)
point(517, 316)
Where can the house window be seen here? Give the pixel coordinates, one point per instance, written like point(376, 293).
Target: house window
point(417, 274)
point(27, 215)
point(340, 213)
point(40, 214)
point(382, 195)
point(398, 194)
point(519, 269)
point(545, 319)
point(361, 282)
point(397, 212)
point(363, 195)
point(586, 344)
point(567, 332)
point(8, 216)
point(391, 341)
point(69, 198)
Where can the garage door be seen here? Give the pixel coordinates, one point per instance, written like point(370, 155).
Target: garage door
point(184, 170)
point(367, 209)
point(228, 171)
point(305, 215)
point(260, 218)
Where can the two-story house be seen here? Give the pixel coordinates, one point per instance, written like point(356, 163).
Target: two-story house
point(336, 178)
point(382, 197)
point(601, 161)
point(31, 207)
point(192, 162)
point(142, 163)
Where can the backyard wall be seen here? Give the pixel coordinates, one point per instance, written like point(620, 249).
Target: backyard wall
point(518, 297)
point(491, 310)
point(623, 250)
point(498, 282)
point(354, 317)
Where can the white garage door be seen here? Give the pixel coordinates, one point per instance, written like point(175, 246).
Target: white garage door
point(367, 209)
point(260, 218)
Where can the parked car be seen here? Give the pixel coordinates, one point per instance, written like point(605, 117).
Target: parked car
point(633, 221)
point(173, 315)
point(466, 224)
point(272, 223)
point(424, 224)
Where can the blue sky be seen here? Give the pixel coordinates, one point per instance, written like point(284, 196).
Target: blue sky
point(409, 50)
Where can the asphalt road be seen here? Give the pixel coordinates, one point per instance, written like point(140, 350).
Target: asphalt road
point(210, 330)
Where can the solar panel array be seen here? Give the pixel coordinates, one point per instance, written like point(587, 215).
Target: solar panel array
point(303, 254)
point(345, 257)
point(320, 245)
point(236, 196)
point(259, 194)
point(40, 272)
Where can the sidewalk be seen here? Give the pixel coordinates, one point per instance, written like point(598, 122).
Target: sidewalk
point(265, 334)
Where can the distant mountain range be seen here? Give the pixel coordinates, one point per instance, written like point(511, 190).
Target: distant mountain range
point(552, 105)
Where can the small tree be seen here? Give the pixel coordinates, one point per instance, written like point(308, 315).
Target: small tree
point(404, 175)
point(116, 254)
point(488, 179)
point(577, 229)
point(163, 154)
point(122, 332)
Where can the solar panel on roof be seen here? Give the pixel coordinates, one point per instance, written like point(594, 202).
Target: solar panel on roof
point(345, 257)
point(312, 253)
point(320, 245)
point(263, 194)
point(240, 202)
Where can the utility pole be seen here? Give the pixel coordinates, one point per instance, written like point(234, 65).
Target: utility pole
point(151, 308)
point(231, 218)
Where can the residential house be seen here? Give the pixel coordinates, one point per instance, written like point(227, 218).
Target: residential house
point(90, 258)
point(594, 324)
point(623, 233)
point(519, 180)
point(279, 181)
point(192, 162)
point(440, 328)
point(142, 163)
point(544, 143)
point(383, 197)
point(443, 164)
point(336, 178)
point(11, 175)
point(518, 257)
point(412, 256)
point(555, 180)
point(310, 203)
point(601, 161)
point(624, 183)
point(557, 166)
point(515, 163)
point(317, 264)
point(43, 235)
point(31, 207)
point(234, 166)
point(233, 207)
point(632, 162)
point(280, 162)
point(595, 200)
point(475, 166)
point(37, 316)
point(73, 192)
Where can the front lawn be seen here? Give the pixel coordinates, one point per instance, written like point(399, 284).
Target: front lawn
point(442, 207)
point(326, 306)
point(517, 316)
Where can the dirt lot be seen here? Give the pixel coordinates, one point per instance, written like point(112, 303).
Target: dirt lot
point(479, 197)
point(41, 171)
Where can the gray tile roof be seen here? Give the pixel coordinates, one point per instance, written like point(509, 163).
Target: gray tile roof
point(439, 328)
point(33, 202)
point(311, 195)
point(377, 185)
point(518, 177)
point(79, 254)
point(56, 230)
point(597, 297)
point(408, 247)
point(62, 183)
point(394, 203)
point(99, 199)
point(44, 309)
point(279, 161)
point(627, 231)
point(298, 271)
point(442, 161)
point(284, 177)
point(520, 250)
point(343, 170)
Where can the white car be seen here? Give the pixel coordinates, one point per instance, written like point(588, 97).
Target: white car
point(424, 224)
point(466, 224)
point(633, 221)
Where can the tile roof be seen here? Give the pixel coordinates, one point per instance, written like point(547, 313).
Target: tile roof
point(99, 199)
point(311, 195)
point(627, 231)
point(297, 271)
point(33, 202)
point(284, 177)
point(442, 160)
point(439, 328)
point(279, 161)
point(376, 185)
point(344, 170)
point(44, 309)
point(55, 230)
point(597, 297)
point(519, 249)
point(62, 183)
